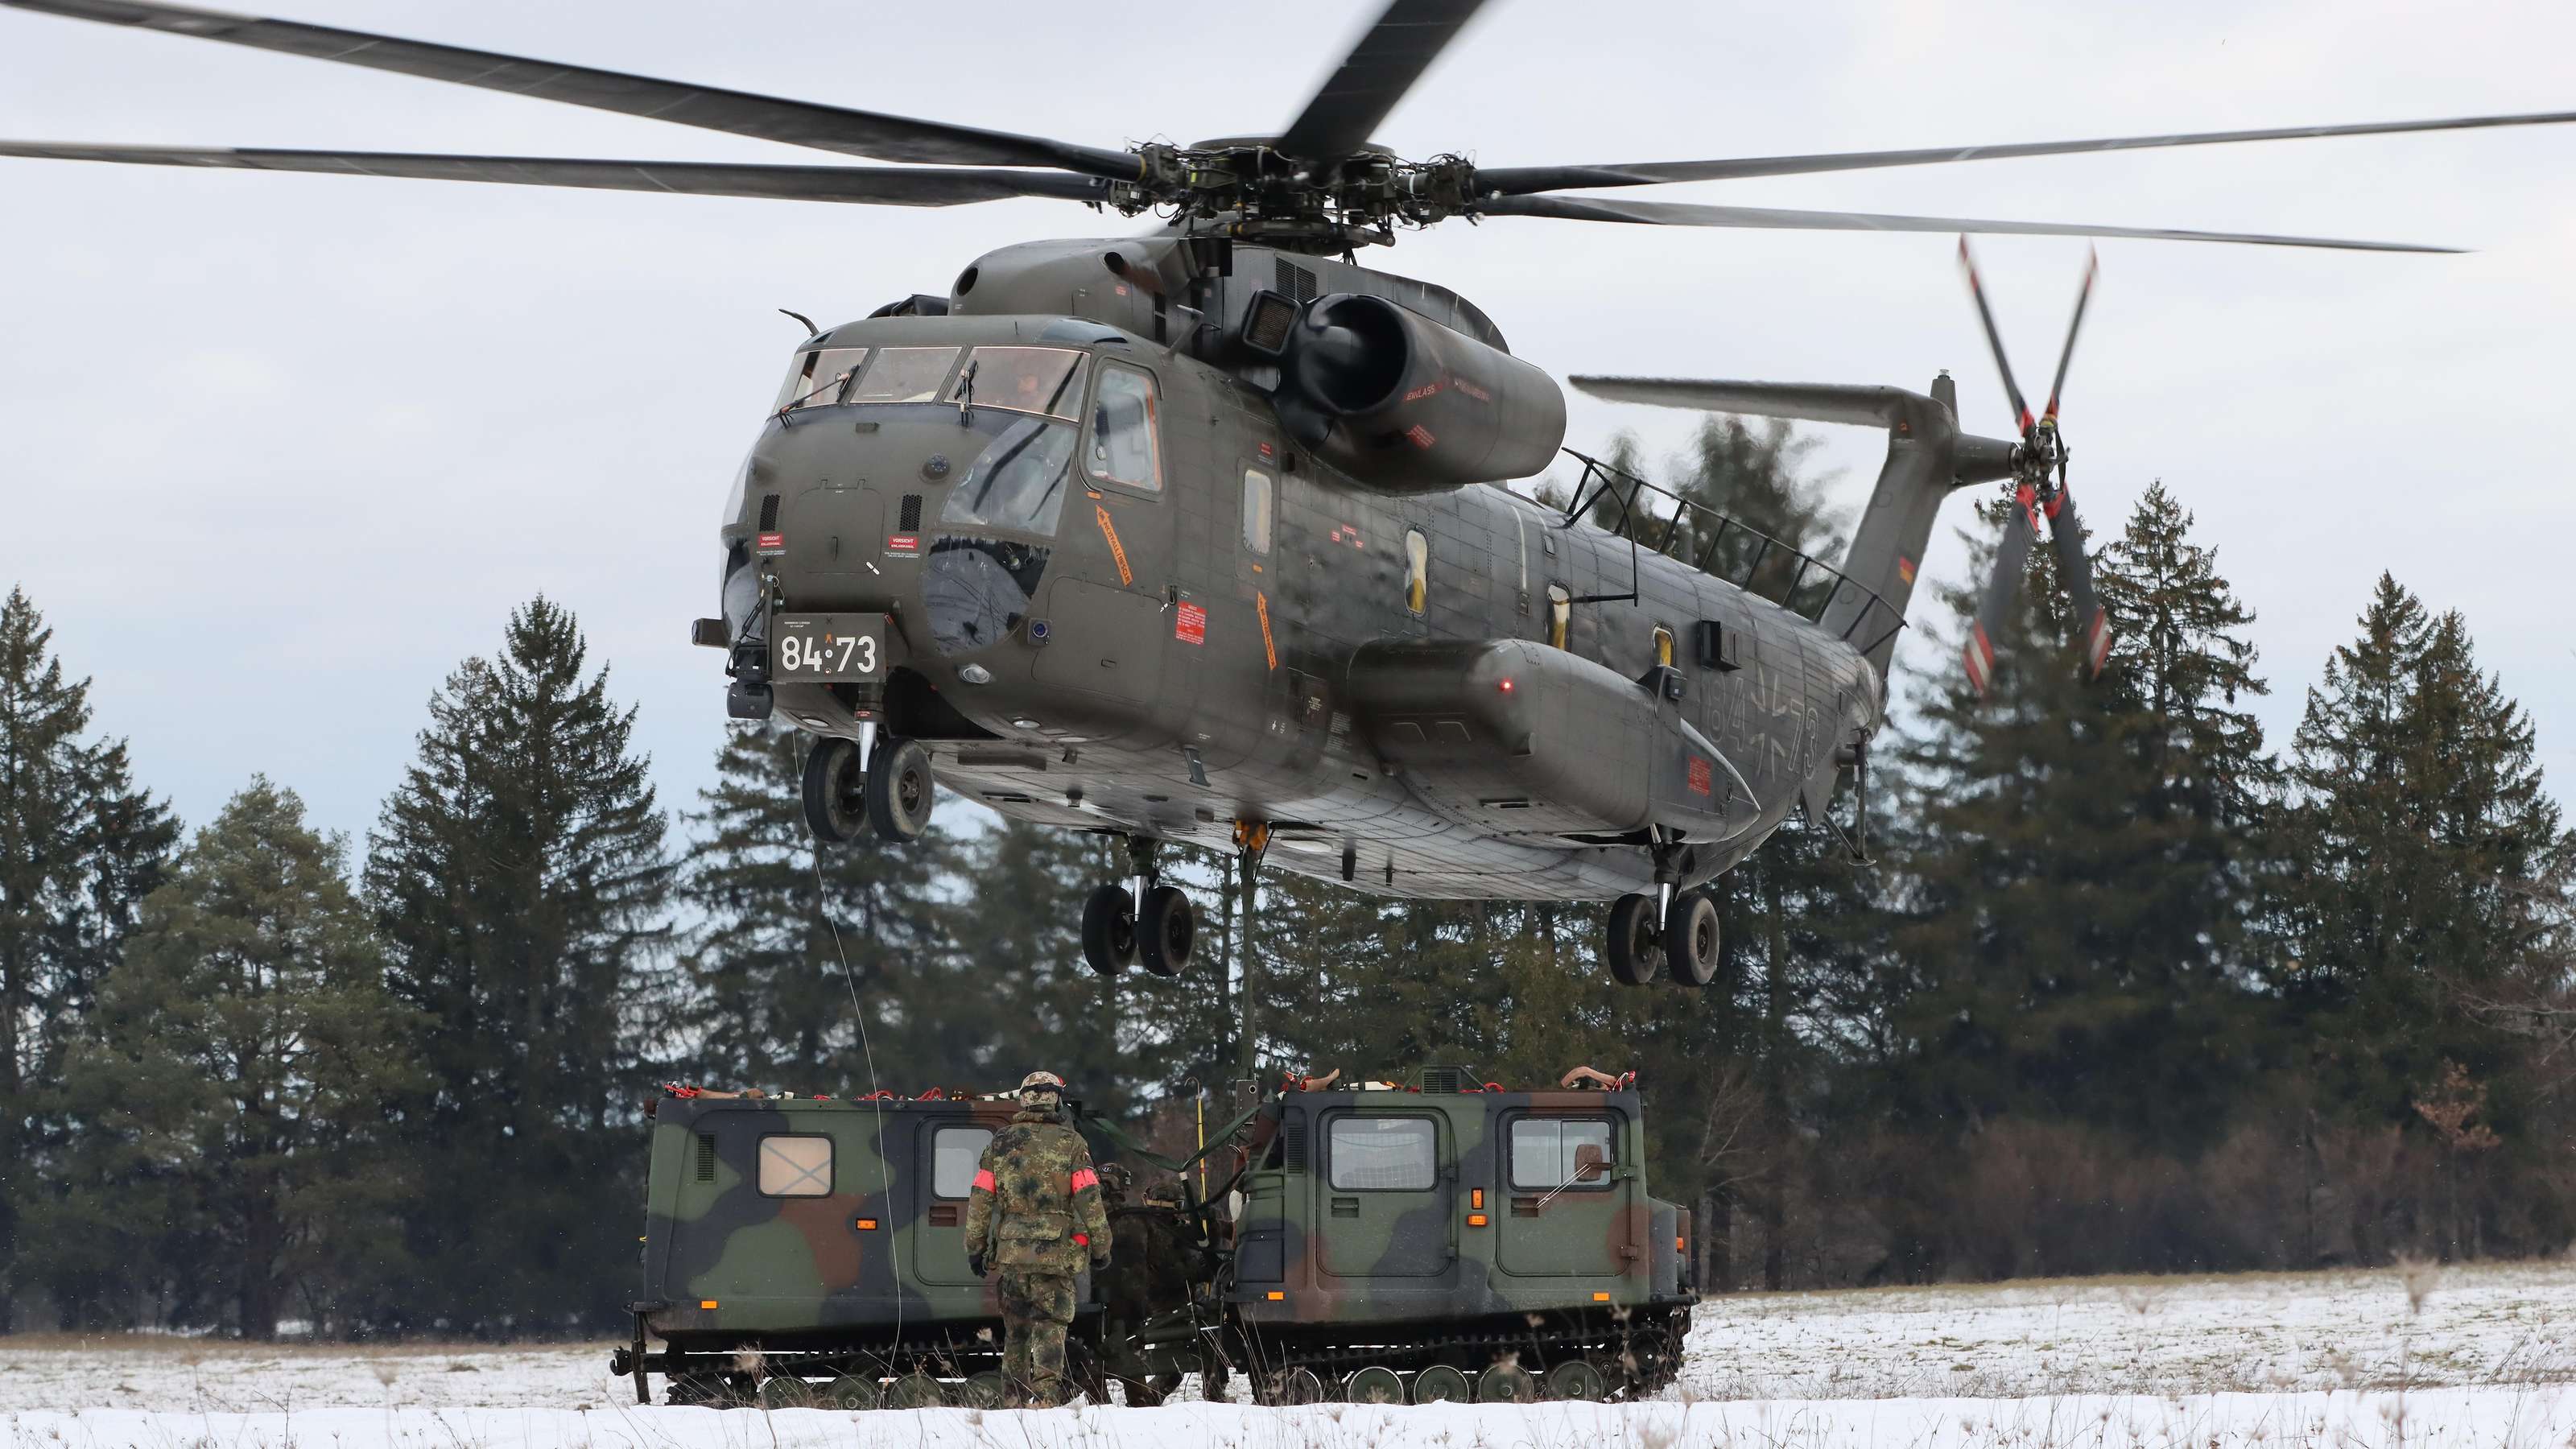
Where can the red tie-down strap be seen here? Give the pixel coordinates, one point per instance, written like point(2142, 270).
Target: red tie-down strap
point(983, 1180)
point(1084, 1177)
point(1082, 1240)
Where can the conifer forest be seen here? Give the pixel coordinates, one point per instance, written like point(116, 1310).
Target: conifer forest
point(2127, 985)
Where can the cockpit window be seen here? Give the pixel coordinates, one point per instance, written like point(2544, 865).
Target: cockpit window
point(1029, 380)
point(905, 374)
point(1123, 449)
point(1019, 480)
point(820, 378)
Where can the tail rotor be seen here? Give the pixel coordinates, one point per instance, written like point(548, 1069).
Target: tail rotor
point(2041, 502)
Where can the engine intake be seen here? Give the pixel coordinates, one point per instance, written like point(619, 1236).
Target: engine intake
point(1405, 404)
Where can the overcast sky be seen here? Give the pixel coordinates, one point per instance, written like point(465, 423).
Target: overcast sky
point(276, 452)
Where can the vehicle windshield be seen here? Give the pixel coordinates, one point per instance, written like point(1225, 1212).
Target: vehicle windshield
point(905, 374)
point(1020, 480)
point(1028, 379)
point(819, 378)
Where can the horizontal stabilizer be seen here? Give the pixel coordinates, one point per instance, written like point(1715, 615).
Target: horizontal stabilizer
point(1813, 402)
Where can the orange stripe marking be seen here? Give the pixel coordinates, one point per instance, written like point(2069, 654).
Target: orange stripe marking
point(1269, 651)
point(1117, 550)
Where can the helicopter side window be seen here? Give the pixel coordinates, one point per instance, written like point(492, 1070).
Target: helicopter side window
point(1123, 448)
point(905, 374)
point(1256, 511)
point(1417, 570)
point(1029, 380)
point(1560, 614)
point(820, 378)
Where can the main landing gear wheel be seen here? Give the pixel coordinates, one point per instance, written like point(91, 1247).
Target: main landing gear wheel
point(836, 781)
point(1166, 930)
point(1691, 941)
point(1632, 954)
point(1109, 929)
point(900, 790)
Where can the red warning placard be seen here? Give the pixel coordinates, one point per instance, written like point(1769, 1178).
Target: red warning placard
point(1699, 776)
point(1189, 624)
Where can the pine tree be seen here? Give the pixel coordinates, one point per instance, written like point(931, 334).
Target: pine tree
point(242, 1054)
point(79, 847)
point(520, 885)
point(2078, 878)
point(770, 1002)
point(2425, 841)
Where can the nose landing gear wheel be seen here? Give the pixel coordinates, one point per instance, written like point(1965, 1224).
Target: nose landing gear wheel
point(1691, 941)
point(1167, 930)
point(1109, 930)
point(836, 780)
point(1632, 954)
point(900, 790)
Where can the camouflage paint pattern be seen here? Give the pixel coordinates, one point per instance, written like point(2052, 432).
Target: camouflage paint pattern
point(1336, 1230)
point(879, 1249)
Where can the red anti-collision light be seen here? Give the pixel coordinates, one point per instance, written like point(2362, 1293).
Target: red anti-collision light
point(1506, 686)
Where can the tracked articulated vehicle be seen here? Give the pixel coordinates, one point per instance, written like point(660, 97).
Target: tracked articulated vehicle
point(1442, 1240)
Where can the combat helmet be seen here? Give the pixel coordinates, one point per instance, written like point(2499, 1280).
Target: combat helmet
point(1037, 1083)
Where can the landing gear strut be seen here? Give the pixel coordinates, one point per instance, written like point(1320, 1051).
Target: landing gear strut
point(1140, 919)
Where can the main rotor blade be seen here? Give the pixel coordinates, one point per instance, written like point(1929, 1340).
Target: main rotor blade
point(2075, 324)
point(1675, 213)
point(870, 185)
point(2092, 624)
point(1524, 180)
point(1994, 339)
point(1373, 77)
point(799, 123)
point(1994, 608)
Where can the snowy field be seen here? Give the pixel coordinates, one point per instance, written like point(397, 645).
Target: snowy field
point(2481, 1356)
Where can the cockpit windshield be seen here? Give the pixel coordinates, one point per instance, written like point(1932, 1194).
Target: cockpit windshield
point(905, 374)
point(1019, 481)
point(1028, 379)
point(820, 378)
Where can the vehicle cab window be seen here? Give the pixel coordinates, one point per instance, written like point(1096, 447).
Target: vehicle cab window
point(955, 1154)
point(1124, 448)
point(1560, 1153)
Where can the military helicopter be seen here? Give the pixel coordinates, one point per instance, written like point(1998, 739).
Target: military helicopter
point(1201, 535)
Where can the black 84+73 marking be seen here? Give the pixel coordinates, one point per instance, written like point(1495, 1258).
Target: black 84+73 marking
point(827, 648)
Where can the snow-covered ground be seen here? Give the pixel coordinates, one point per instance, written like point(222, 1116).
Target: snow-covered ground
point(2470, 1357)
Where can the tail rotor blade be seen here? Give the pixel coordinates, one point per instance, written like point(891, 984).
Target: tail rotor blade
point(1994, 339)
point(2083, 294)
point(2012, 561)
point(2092, 622)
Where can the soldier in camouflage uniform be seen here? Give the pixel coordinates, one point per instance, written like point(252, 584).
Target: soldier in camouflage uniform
point(1036, 1214)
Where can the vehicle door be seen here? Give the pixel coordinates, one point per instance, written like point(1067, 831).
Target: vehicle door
point(1114, 629)
point(1568, 1200)
point(949, 1153)
point(1389, 1178)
